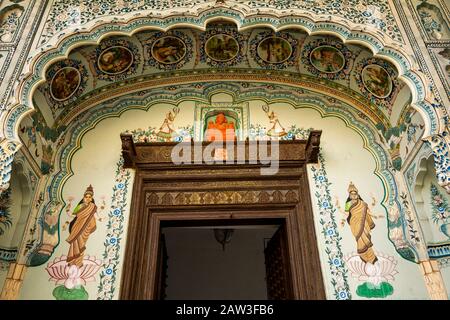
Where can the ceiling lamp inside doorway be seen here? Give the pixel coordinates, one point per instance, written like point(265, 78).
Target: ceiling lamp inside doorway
point(223, 236)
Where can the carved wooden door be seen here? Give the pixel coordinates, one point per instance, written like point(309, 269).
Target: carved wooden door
point(278, 278)
point(161, 269)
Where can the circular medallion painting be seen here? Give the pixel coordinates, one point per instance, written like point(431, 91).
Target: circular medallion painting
point(221, 47)
point(65, 83)
point(274, 50)
point(327, 59)
point(115, 60)
point(168, 50)
point(377, 80)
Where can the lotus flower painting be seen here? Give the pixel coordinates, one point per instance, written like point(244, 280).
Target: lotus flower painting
point(374, 268)
point(376, 276)
point(71, 278)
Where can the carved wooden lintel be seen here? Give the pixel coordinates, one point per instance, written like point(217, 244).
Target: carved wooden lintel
point(243, 152)
point(313, 146)
point(128, 150)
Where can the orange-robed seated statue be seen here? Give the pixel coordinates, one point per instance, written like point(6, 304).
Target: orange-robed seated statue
point(220, 130)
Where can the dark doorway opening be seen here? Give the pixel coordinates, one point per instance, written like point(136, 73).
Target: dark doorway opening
point(206, 260)
point(222, 194)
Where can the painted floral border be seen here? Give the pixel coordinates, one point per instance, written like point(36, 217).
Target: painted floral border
point(327, 220)
point(150, 135)
point(115, 230)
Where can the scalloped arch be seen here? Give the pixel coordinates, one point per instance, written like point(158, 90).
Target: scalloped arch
point(379, 43)
point(345, 112)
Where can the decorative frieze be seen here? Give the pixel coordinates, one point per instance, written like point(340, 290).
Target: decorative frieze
point(440, 145)
point(220, 197)
point(7, 151)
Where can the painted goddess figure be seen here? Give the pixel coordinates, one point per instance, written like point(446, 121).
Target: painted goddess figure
point(361, 223)
point(81, 227)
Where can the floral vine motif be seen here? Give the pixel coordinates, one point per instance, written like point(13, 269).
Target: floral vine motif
point(285, 41)
point(375, 13)
point(439, 144)
point(5, 214)
point(333, 247)
point(115, 60)
point(7, 156)
point(386, 102)
point(431, 26)
point(348, 55)
point(67, 13)
point(111, 255)
point(413, 232)
point(333, 239)
point(151, 134)
point(231, 35)
point(393, 136)
point(259, 132)
point(178, 47)
point(440, 210)
point(48, 137)
point(10, 21)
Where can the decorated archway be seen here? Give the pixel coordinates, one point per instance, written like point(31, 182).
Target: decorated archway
point(139, 76)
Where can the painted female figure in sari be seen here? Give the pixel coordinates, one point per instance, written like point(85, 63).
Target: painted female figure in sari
point(81, 227)
point(361, 223)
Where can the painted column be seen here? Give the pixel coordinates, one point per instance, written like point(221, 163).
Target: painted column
point(7, 150)
point(433, 280)
point(13, 282)
point(440, 145)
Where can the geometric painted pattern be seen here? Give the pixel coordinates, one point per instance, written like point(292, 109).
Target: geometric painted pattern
point(375, 13)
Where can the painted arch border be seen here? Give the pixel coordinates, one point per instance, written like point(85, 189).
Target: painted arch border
point(342, 111)
point(349, 32)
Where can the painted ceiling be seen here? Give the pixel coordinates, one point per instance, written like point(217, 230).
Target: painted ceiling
point(121, 64)
point(67, 14)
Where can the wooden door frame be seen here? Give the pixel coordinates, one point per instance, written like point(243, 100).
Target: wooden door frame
point(212, 213)
point(165, 192)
